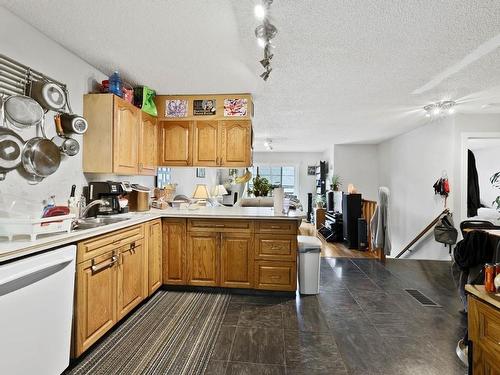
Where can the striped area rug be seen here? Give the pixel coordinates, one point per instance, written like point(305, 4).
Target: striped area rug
point(173, 333)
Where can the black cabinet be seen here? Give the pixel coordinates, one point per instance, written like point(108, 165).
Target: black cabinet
point(351, 212)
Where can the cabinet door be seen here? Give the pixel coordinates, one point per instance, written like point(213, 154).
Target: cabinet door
point(175, 143)
point(236, 143)
point(236, 260)
point(202, 259)
point(174, 251)
point(95, 300)
point(130, 277)
point(148, 150)
point(206, 143)
point(154, 268)
point(126, 140)
point(280, 276)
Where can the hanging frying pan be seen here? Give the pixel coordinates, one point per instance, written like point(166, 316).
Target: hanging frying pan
point(11, 148)
point(22, 111)
point(49, 95)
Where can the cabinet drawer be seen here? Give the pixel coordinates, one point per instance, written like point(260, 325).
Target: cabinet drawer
point(276, 226)
point(275, 275)
point(277, 247)
point(211, 225)
point(90, 248)
point(489, 326)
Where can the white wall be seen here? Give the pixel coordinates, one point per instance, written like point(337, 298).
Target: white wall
point(409, 165)
point(487, 164)
point(300, 160)
point(186, 180)
point(358, 165)
point(22, 42)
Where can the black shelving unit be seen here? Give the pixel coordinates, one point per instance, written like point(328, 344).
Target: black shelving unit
point(321, 172)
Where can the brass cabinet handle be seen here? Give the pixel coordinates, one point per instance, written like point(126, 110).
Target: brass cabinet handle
point(220, 225)
point(101, 266)
point(275, 227)
point(275, 277)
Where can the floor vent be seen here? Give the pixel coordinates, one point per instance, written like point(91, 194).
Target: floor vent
point(421, 298)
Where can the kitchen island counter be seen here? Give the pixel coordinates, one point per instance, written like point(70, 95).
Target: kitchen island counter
point(15, 249)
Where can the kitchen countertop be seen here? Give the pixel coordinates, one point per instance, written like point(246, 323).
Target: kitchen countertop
point(14, 249)
point(479, 292)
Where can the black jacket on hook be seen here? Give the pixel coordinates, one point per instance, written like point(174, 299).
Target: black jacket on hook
point(473, 200)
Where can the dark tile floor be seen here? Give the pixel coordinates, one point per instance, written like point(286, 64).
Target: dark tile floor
point(362, 322)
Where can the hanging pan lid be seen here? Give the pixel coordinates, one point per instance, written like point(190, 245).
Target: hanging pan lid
point(22, 111)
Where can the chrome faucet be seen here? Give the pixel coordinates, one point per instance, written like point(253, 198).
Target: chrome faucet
point(85, 210)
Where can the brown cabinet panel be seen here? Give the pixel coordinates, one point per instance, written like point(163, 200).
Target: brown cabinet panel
point(220, 225)
point(175, 143)
point(125, 141)
point(236, 260)
point(148, 145)
point(174, 251)
point(130, 277)
point(206, 143)
point(275, 275)
point(235, 143)
point(276, 226)
point(203, 259)
point(95, 300)
point(154, 255)
point(276, 247)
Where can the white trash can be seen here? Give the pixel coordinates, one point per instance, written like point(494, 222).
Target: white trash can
point(309, 264)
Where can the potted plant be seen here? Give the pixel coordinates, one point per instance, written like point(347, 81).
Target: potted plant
point(495, 182)
point(320, 201)
point(336, 182)
point(261, 187)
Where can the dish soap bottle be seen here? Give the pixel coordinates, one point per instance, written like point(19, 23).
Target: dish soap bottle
point(115, 84)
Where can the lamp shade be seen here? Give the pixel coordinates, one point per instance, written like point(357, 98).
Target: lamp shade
point(201, 192)
point(219, 190)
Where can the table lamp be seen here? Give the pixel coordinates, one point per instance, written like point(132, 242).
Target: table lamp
point(218, 192)
point(201, 194)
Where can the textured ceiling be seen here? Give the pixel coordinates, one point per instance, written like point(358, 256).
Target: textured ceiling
point(352, 71)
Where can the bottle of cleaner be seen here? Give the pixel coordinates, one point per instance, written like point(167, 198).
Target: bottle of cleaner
point(115, 84)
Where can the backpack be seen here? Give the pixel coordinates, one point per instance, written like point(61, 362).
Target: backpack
point(445, 232)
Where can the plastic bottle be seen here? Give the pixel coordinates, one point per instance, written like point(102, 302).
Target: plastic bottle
point(115, 84)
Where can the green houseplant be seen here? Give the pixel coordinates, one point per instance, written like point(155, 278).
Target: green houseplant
point(336, 182)
point(261, 187)
point(320, 201)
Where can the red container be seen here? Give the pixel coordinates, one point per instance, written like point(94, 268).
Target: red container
point(489, 277)
point(105, 85)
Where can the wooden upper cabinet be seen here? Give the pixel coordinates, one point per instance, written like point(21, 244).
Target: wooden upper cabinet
point(175, 143)
point(148, 145)
point(125, 141)
point(236, 143)
point(120, 137)
point(206, 144)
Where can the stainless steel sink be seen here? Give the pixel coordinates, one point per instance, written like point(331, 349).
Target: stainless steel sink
point(94, 222)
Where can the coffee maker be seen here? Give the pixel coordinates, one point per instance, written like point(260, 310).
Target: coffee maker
point(108, 191)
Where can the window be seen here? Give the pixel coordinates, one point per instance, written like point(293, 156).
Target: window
point(283, 176)
point(163, 177)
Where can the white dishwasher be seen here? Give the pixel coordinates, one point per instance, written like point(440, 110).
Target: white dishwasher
point(36, 307)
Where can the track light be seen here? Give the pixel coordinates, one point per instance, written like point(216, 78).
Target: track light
point(265, 62)
point(264, 33)
point(265, 75)
point(261, 42)
point(438, 109)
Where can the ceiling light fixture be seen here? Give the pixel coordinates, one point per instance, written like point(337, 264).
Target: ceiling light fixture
point(440, 109)
point(264, 33)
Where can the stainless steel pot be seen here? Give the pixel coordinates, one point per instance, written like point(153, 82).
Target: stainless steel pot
point(67, 145)
point(49, 95)
point(73, 124)
point(40, 157)
point(11, 148)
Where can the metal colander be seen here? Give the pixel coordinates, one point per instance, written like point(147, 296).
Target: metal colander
point(22, 111)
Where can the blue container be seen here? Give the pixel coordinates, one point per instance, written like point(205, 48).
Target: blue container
point(115, 84)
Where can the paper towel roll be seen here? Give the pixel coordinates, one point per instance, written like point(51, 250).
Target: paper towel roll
point(278, 195)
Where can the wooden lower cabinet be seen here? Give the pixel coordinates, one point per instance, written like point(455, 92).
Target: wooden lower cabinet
point(153, 235)
point(203, 259)
point(174, 251)
point(95, 300)
point(130, 278)
point(276, 275)
point(236, 261)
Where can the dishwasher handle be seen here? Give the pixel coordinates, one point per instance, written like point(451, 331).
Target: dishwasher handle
point(39, 268)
